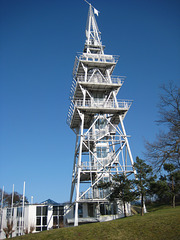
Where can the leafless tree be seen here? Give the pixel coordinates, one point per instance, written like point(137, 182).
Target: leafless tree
point(166, 147)
point(32, 228)
point(26, 231)
point(8, 230)
point(7, 198)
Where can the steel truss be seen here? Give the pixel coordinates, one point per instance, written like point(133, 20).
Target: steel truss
point(96, 116)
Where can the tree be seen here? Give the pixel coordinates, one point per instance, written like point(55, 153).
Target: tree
point(166, 147)
point(7, 198)
point(167, 188)
point(9, 229)
point(121, 189)
point(143, 179)
point(160, 190)
point(174, 181)
point(26, 231)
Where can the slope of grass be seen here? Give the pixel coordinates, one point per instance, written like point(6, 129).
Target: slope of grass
point(161, 224)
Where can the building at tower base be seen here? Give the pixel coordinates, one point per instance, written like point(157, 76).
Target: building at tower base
point(31, 218)
point(89, 212)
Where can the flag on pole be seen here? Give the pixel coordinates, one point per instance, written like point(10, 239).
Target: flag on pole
point(96, 12)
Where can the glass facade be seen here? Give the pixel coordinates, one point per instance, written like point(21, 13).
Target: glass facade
point(41, 218)
point(101, 152)
point(108, 209)
point(19, 212)
point(9, 213)
point(58, 212)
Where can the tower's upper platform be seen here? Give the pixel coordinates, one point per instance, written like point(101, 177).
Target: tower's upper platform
point(94, 89)
point(94, 60)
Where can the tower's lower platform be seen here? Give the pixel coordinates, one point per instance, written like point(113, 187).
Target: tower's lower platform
point(95, 211)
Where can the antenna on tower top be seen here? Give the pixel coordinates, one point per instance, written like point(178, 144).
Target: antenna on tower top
point(87, 2)
point(93, 35)
point(95, 10)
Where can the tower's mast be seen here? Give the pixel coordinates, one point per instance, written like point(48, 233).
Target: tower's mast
point(96, 116)
point(93, 36)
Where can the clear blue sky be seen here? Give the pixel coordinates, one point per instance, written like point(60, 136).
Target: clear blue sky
point(38, 43)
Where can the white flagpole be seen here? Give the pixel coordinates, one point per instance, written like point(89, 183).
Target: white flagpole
point(87, 2)
point(23, 210)
point(2, 208)
point(12, 203)
point(95, 10)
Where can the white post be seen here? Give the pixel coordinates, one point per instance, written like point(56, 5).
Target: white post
point(31, 199)
point(12, 203)
point(74, 169)
point(127, 144)
point(2, 208)
point(79, 172)
point(23, 210)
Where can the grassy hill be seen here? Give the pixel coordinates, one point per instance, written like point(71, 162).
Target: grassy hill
point(160, 224)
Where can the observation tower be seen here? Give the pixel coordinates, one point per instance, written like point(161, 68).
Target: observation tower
point(96, 117)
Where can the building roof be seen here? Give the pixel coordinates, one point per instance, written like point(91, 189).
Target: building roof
point(50, 202)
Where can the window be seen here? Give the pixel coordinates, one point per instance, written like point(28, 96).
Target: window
point(61, 210)
point(44, 221)
point(101, 152)
point(41, 211)
point(55, 220)
point(41, 219)
point(8, 213)
point(55, 210)
point(100, 123)
point(58, 210)
point(108, 209)
point(44, 211)
point(38, 221)
point(19, 212)
point(80, 210)
point(104, 209)
point(38, 211)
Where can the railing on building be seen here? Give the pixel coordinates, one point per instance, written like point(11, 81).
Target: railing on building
point(115, 80)
point(95, 194)
point(106, 104)
point(90, 166)
point(104, 79)
point(99, 58)
point(99, 103)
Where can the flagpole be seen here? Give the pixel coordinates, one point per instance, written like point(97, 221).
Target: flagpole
point(87, 2)
point(2, 208)
point(23, 210)
point(12, 203)
point(91, 5)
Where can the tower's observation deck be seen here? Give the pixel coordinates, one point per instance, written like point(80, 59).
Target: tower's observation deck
point(101, 83)
point(102, 61)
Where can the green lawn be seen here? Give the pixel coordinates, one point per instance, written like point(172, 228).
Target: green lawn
point(157, 225)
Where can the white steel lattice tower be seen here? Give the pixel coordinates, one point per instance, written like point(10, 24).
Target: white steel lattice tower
point(96, 116)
